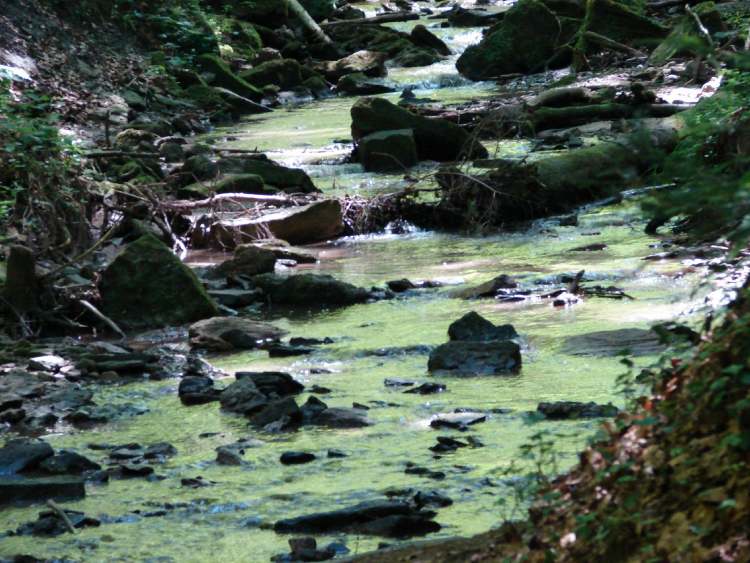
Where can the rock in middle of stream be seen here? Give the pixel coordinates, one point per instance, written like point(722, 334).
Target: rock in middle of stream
point(477, 347)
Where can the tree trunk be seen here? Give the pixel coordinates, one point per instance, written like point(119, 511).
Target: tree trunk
point(298, 10)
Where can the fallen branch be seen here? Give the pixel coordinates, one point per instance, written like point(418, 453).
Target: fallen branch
point(61, 513)
point(612, 44)
point(226, 197)
point(121, 154)
point(375, 20)
point(102, 317)
point(307, 21)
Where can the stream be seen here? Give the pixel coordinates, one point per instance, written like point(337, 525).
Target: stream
point(159, 520)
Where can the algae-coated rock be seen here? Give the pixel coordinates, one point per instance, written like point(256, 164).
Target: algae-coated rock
point(386, 151)
point(147, 286)
point(437, 139)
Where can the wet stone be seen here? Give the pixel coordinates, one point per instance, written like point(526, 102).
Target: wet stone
point(296, 458)
point(427, 389)
point(14, 490)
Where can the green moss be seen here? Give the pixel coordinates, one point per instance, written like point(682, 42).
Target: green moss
point(146, 285)
point(525, 41)
point(284, 73)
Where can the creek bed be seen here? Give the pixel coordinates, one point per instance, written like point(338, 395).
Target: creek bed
point(228, 521)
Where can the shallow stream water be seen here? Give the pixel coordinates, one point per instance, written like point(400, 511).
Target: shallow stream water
point(228, 521)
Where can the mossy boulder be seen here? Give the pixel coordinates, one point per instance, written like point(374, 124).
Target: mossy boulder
point(147, 286)
point(388, 151)
point(436, 139)
point(526, 40)
point(222, 75)
point(284, 73)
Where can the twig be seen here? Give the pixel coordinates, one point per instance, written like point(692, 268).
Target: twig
point(101, 316)
point(61, 513)
point(701, 27)
point(226, 197)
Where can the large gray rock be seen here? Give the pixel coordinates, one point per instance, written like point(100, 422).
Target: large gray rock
point(497, 357)
point(21, 455)
point(472, 326)
point(147, 286)
point(229, 333)
point(388, 151)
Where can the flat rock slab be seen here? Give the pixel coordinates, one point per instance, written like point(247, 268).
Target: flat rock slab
point(14, 491)
point(637, 341)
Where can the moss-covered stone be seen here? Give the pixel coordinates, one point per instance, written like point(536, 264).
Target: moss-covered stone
point(386, 151)
point(437, 139)
point(224, 77)
point(293, 180)
point(524, 41)
point(146, 286)
point(284, 73)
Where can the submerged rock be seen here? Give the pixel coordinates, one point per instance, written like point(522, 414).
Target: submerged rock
point(496, 357)
point(229, 333)
point(296, 458)
point(436, 139)
point(379, 518)
point(567, 410)
point(147, 286)
point(472, 326)
point(636, 341)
